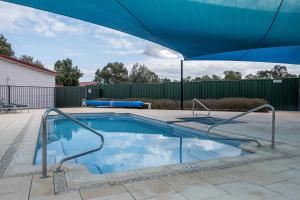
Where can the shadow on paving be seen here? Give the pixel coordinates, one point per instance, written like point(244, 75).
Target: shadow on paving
point(208, 120)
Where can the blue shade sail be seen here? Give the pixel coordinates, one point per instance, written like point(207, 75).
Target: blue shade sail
point(197, 28)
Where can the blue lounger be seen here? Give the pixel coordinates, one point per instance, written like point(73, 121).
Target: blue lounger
point(118, 104)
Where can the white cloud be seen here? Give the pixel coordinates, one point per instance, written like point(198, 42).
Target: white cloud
point(19, 19)
point(157, 51)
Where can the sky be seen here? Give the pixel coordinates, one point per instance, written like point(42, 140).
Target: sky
point(49, 37)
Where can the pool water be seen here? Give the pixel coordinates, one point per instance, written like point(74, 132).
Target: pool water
point(131, 142)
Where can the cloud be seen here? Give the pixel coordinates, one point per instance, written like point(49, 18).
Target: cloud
point(19, 19)
point(157, 51)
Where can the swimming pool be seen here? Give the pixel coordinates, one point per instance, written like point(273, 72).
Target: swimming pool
point(131, 142)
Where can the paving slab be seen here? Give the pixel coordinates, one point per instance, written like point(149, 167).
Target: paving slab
point(287, 189)
point(120, 196)
point(245, 191)
point(105, 190)
point(176, 196)
point(193, 187)
point(72, 195)
point(147, 189)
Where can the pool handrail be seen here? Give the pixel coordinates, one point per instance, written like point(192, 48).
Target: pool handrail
point(250, 111)
point(199, 102)
point(44, 140)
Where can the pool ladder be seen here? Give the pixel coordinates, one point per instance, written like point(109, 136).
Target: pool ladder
point(246, 113)
point(44, 140)
point(200, 103)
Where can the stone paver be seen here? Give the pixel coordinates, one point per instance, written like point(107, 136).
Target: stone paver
point(287, 189)
point(72, 195)
point(245, 191)
point(147, 189)
point(120, 196)
point(176, 196)
point(41, 186)
point(193, 187)
point(106, 190)
point(15, 188)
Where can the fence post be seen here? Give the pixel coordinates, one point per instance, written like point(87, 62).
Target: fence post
point(8, 94)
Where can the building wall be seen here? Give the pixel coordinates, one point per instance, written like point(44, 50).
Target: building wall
point(26, 86)
point(22, 76)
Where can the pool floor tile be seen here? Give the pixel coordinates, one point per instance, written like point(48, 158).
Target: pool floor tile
point(147, 189)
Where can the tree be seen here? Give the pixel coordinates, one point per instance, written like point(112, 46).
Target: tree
point(280, 71)
point(5, 47)
point(232, 75)
point(29, 59)
point(207, 78)
point(165, 80)
point(250, 76)
point(216, 77)
point(187, 79)
point(141, 74)
point(277, 72)
point(112, 73)
point(97, 76)
point(68, 75)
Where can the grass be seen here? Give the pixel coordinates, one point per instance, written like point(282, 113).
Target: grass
point(225, 104)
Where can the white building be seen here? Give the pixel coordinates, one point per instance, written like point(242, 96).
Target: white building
point(26, 83)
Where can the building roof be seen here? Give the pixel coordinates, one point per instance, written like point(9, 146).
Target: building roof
point(28, 65)
point(87, 83)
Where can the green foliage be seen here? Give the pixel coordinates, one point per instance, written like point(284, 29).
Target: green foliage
point(68, 75)
point(278, 72)
point(141, 74)
point(165, 80)
point(29, 59)
point(207, 78)
point(5, 47)
point(112, 73)
point(232, 75)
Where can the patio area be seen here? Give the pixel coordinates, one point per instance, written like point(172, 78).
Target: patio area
point(267, 174)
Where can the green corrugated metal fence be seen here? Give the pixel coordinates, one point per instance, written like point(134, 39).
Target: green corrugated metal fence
point(282, 94)
point(72, 96)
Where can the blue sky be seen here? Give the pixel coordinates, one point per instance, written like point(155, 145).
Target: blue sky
point(49, 37)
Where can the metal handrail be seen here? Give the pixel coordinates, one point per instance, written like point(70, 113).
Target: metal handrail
point(44, 140)
point(201, 105)
point(250, 111)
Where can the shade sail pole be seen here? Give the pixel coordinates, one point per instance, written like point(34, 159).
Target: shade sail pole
point(181, 85)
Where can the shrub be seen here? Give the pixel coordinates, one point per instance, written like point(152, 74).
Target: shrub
point(225, 104)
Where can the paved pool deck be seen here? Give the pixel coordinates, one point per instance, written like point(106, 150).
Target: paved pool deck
point(267, 174)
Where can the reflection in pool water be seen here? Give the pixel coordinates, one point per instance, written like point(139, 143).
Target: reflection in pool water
point(131, 142)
